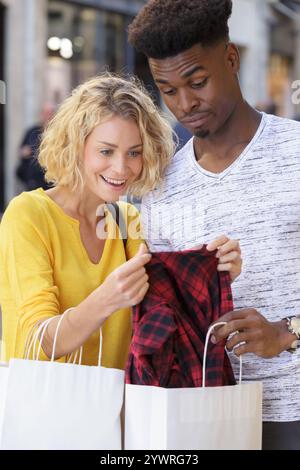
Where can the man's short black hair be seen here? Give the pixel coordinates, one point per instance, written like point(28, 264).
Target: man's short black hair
point(165, 28)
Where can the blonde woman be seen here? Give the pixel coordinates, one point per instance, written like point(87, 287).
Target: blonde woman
point(106, 139)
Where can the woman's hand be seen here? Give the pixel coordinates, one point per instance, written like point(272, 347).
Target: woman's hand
point(124, 287)
point(229, 255)
point(127, 285)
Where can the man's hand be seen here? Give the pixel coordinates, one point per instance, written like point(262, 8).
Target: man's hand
point(261, 337)
point(229, 254)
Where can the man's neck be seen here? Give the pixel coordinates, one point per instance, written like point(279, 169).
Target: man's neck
point(218, 152)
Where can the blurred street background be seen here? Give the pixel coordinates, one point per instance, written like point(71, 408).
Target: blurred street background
point(47, 47)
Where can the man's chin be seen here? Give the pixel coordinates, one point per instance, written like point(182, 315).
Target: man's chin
point(201, 133)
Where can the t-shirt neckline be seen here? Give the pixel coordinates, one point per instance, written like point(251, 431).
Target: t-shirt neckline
point(241, 157)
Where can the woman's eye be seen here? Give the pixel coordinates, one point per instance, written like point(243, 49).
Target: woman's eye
point(134, 153)
point(105, 152)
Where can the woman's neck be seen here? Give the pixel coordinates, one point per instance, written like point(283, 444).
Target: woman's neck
point(79, 205)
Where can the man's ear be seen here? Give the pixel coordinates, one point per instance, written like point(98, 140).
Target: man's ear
point(233, 57)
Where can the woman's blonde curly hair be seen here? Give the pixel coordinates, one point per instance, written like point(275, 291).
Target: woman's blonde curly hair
point(97, 100)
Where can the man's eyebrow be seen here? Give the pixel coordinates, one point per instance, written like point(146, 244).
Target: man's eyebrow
point(163, 82)
point(190, 72)
point(186, 74)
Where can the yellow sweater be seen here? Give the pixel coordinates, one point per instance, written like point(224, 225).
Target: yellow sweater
point(45, 269)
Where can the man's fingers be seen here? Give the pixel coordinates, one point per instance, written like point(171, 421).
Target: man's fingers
point(232, 256)
point(236, 320)
point(215, 244)
point(237, 338)
point(229, 246)
point(243, 349)
point(224, 267)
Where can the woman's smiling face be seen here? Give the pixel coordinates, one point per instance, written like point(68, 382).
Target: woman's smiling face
point(113, 158)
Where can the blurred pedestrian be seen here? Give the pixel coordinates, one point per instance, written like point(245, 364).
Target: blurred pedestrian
point(29, 170)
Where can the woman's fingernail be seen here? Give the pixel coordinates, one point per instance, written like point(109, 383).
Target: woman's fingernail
point(213, 339)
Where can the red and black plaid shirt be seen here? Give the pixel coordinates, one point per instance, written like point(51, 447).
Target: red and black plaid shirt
point(186, 295)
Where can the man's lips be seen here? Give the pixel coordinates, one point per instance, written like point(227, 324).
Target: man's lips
point(196, 118)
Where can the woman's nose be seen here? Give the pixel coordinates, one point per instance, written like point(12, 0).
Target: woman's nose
point(119, 166)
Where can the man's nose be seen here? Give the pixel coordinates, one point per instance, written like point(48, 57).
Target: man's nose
point(187, 102)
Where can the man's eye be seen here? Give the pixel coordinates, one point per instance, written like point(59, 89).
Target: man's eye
point(200, 84)
point(168, 92)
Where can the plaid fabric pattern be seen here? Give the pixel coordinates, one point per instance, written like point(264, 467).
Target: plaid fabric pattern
point(186, 295)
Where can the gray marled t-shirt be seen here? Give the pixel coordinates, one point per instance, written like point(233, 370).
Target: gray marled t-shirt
point(255, 200)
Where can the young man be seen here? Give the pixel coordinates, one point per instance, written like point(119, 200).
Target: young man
point(238, 175)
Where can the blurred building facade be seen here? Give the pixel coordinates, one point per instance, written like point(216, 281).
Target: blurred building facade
point(49, 46)
point(268, 35)
point(92, 38)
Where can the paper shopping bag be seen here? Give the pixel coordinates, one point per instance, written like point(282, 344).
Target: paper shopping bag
point(53, 405)
point(228, 417)
point(3, 389)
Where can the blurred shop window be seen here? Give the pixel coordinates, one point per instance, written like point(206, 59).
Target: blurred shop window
point(82, 42)
point(279, 83)
point(268, 106)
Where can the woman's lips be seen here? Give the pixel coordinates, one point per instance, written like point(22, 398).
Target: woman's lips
point(117, 187)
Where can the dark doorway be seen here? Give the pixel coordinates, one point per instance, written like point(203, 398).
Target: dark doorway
point(2, 78)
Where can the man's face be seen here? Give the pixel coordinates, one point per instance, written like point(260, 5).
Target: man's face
point(199, 86)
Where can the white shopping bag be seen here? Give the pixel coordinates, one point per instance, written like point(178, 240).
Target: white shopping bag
point(228, 417)
point(52, 405)
point(3, 388)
